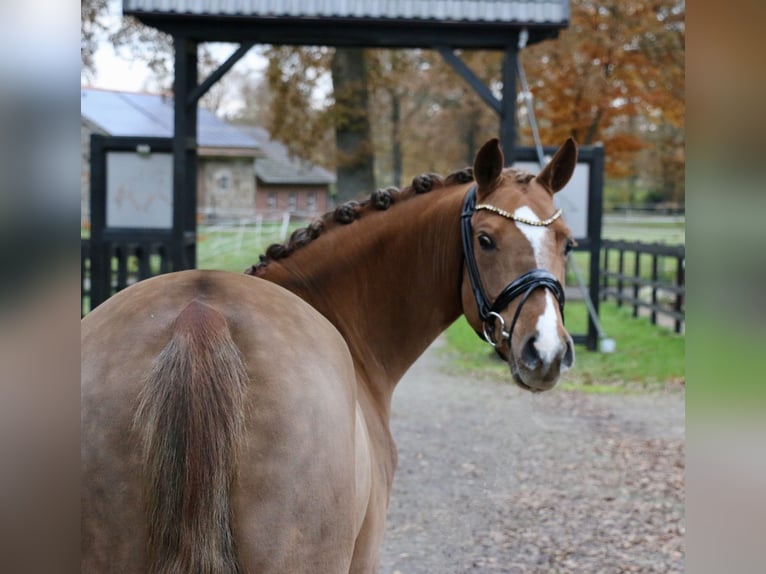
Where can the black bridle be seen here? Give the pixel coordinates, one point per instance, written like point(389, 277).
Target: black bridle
point(523, 285)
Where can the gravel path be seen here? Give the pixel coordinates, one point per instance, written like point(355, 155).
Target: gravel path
point(493, 479)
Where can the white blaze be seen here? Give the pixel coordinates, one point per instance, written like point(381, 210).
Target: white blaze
point(534, 234)
point(548, 342)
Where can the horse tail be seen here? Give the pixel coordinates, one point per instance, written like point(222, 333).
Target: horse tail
point(191, 418)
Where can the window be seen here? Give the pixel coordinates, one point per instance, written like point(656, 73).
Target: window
point(312, 202)
point(271, 200)
point(292, 204)
point(223, 180)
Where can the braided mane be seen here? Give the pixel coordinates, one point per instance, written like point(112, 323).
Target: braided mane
point(379, 200)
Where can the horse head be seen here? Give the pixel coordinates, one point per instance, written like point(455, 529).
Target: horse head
point(515, 245)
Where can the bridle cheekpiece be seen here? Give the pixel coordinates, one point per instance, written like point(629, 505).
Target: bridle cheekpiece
point(523, 286)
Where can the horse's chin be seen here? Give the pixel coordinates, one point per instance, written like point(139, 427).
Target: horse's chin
point(525, 378)
point(530, 381)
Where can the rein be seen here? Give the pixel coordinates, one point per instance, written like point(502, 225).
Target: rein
point(525, 284)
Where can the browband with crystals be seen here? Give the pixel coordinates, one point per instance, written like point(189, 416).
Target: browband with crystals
point(512, 217)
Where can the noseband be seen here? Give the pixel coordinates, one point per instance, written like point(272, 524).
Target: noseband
point(524, 285)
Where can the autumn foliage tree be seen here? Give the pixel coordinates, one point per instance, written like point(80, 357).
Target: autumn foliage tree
point(296, 114)
point(431, 119)
point(616, 76)
point(423, 116)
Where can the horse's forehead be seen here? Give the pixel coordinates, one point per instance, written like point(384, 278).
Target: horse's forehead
point(526, 199)
point(518, 192)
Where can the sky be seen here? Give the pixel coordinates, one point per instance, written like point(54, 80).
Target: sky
point(117, 73)
point(115, 70)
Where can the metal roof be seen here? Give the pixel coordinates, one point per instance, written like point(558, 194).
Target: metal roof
point(519, 11)
point(279, 167)
point(151, 115)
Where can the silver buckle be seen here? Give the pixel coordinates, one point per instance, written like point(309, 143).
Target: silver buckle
point(503, 333)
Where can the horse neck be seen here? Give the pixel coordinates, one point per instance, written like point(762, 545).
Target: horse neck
point(389, 282)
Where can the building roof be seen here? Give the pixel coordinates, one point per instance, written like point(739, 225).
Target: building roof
point(520, 11)
point(279, 167)
point(151, 115)
point(466, 24)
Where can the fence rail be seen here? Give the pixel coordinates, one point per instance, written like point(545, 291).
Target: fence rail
point(647, 276)
point(127, 262)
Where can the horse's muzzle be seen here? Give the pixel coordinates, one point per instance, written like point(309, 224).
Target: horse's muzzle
point(538, 368)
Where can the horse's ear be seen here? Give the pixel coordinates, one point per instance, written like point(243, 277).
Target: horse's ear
point(488, 165)
point(559, 170)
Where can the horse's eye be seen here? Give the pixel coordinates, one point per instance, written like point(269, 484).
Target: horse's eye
point(486, 242)
point(570, 244)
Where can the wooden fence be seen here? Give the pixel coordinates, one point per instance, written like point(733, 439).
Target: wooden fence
point(126, 262)
point(647, 276)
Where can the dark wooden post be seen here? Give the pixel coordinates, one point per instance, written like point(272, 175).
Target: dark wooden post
point(185, 155)
point(100, 262)
point(595, 212)
point(508, 105)
point(655, 276)
point(636, 284)
point(620, 272)
point(680, 281)
point(605, 275)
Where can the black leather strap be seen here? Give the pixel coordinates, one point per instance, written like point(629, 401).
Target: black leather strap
point(529, 281)
point(469, 205)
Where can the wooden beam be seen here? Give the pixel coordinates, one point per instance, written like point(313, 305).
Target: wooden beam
point(203, 88)
point(473, 80)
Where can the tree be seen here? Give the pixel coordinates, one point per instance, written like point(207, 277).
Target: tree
point(141, 43)
point(91, 26)
point(614, 76)
point(302, 118)
point(355, 166)
point(298, 113)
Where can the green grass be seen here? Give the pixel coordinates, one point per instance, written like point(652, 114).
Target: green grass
point(236, 248)
point(646, 354)
point(670, 231)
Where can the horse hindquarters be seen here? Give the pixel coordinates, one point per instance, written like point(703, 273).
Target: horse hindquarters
point(289, 499)
point(161, 407)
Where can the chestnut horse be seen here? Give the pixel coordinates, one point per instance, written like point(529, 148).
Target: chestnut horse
point(240, 422)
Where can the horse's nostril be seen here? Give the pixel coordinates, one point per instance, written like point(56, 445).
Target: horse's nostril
point(568, 359)
point(529, 354)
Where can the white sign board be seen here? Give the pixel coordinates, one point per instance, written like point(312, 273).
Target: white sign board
point(139, 190)
point(573, 199)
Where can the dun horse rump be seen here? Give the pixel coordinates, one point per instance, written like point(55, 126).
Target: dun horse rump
point(216, 408)
point(240, 422)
